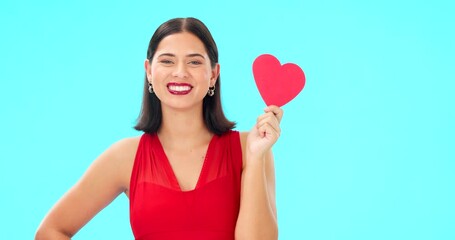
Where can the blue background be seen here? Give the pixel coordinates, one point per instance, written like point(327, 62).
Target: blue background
point(367, 149)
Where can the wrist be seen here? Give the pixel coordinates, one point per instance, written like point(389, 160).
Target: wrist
point(254, 159)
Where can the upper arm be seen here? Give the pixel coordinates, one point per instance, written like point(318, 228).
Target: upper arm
point(103, 181)
point(269, 172)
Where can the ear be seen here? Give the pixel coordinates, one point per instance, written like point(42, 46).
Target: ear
point(147, 68)
point(215, 74)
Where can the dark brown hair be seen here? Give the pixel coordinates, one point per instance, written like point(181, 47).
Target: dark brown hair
point(150, 117)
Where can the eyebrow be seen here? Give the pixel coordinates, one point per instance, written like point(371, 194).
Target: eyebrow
point(189, 55)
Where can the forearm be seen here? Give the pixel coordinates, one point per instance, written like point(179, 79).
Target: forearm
point(256, 218)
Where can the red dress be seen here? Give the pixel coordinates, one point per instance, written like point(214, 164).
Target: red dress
point(159, 209)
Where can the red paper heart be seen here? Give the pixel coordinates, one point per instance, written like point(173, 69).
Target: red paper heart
point(278, 84)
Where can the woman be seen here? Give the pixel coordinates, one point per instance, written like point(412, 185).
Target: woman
point(189, 176)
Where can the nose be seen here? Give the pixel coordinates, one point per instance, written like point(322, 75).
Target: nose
point(180, 71)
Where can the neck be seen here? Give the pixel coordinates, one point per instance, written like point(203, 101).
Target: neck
point(182, 127)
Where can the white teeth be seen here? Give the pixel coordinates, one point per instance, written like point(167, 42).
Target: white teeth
point(179, 88)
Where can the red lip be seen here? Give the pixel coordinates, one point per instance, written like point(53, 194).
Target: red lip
point(179, 88)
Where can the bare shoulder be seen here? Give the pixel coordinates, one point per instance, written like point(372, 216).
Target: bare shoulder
point(125, 149)
point(243, 137)
point(116, 163)
point(124, 153)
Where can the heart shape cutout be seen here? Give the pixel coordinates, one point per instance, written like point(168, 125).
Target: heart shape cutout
point(278, 84)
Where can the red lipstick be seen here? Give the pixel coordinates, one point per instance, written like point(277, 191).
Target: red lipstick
point(179, 88)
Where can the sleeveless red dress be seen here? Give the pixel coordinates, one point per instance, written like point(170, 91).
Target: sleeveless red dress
point(159, 209)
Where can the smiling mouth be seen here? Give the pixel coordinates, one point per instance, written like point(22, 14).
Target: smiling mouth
point(179, 88)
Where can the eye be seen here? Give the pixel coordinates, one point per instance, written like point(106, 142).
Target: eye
point(166, 61)
point(195, 62)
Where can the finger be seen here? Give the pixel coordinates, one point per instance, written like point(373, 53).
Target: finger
point(269, 117)
point(265, 115)
point(277, 111)
point(267, 130)
point(273, 121)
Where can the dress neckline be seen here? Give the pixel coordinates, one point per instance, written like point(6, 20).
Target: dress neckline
point(170, 171)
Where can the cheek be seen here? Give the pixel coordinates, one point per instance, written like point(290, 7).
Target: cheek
point(204, 74)
point(204, 79)
point(157, 72)
point(154, 69)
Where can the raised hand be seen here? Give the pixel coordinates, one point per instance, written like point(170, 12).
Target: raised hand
point(265, 132)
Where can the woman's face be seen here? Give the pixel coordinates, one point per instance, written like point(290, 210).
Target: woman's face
point(181, 72)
